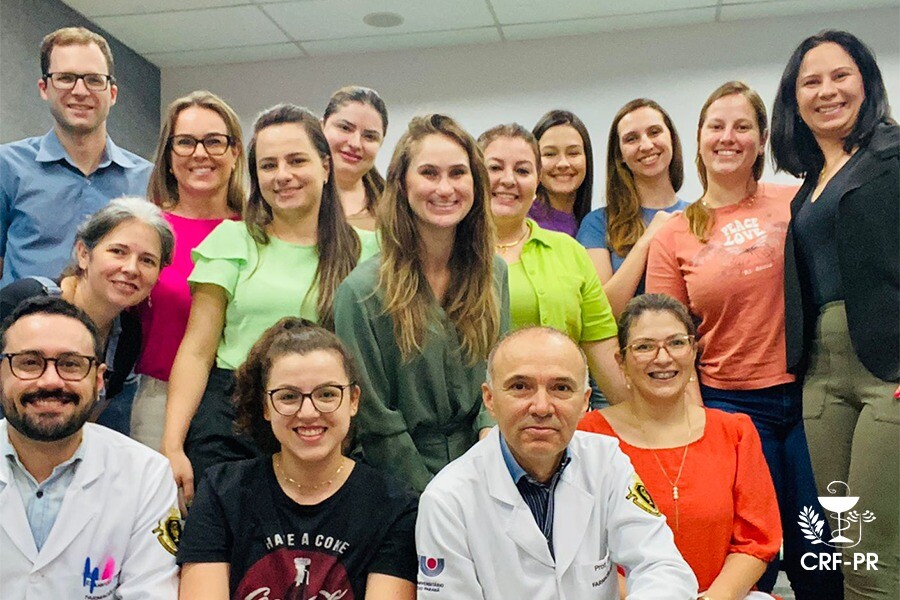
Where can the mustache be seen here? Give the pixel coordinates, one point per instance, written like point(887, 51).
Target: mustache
point(55, 394)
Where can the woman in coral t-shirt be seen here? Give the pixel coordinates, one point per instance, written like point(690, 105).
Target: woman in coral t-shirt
point(724, 259)
point(704, 468)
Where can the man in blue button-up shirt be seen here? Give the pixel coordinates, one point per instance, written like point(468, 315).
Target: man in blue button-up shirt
point(49, 184)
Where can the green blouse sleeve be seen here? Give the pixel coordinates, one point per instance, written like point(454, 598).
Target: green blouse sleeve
point(220, 258)
point(597, 319)
point(382, 430)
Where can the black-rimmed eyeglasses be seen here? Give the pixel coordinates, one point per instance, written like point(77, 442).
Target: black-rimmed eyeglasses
point(288, 401)
point(96, 82)
point(31, 365)
point(215, 144)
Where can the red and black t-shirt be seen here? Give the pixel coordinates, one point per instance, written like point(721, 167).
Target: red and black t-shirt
point(277, 548)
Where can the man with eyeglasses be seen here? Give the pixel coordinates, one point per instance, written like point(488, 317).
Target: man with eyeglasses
point(84, 511)
point(49, 184)
point(536, 509)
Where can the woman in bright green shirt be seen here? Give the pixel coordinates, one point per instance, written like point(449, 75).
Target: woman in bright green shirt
point(552, 281)
point(286, 257)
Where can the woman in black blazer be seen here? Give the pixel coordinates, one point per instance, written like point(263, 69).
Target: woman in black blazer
point(831, 125)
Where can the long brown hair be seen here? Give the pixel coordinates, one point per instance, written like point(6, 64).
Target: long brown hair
point(471, 302)
point(700, 219)
point(373, 182)
point(337, 243)
point(163, 189)
point(586, 189)
point(624, 220)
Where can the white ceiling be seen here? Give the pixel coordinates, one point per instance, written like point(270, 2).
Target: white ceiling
point(173, 33)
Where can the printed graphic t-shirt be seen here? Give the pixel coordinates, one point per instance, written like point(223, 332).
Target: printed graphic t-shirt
point(734, 284)
point(277, 548)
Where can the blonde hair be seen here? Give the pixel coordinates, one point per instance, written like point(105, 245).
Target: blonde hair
point(700, 219)
point(163, 188)
point(471, 302)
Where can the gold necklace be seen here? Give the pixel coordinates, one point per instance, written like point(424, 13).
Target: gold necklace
point(502, 248)
point(303, 486)
point(674, 484)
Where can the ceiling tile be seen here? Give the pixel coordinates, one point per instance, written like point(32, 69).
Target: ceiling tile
point(401, 42)
point(618, 23)
point(333, 19)
point(733, 10)
point(535, 11)
point(221, 56)
point(98, 8)
point(211, 28)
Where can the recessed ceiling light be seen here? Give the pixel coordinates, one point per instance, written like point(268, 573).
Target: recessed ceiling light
point(382, 19)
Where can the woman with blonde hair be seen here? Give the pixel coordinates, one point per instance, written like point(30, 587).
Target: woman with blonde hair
point(422, 316)
point(286, 257)
point(723, 258)
point(644, 171)
point(355, 122)
point(198, 181)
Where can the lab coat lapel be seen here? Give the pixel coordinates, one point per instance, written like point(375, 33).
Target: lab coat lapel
point(79, 507)
point(571, 517)
point(514, 516)
point(12, 513)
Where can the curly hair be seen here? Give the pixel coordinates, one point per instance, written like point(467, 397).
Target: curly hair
point(290, 335)
point(471, 301)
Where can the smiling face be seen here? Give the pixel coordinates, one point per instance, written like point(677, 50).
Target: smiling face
point(563, 163)
point(355, 133)
point(537, 395)
point(48, 408)
point(645, 143)
point(730, 140)
point(512, 168)
point(291, 172)
point(829, 91)
point(124, 266)
point(665, 376)
point(79, 110)
point(440, 188)
point(311, 436)
point(201, 174)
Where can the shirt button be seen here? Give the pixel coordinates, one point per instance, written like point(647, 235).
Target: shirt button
point(40, 493)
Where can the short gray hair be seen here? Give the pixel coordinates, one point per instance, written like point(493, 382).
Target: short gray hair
point(511, 335)
point(118, 211)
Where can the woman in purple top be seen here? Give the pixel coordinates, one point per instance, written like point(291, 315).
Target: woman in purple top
point(198, 181)
point(567, 172)
point(644, 170)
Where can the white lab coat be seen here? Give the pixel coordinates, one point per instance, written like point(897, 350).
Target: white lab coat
point(477, 539)
point(121, 492)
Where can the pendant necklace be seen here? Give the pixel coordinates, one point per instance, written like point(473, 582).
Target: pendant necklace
point(502, 248)
point(303, 486)
point(674, 484)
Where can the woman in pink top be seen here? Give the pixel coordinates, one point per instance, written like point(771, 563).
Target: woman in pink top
point(724, 259)
point(198, 180)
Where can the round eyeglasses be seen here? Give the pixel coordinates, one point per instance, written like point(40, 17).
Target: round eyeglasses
point(95, 82)
point(31, 365)
point(215, 144)
point(288, 401)
point(647, 349)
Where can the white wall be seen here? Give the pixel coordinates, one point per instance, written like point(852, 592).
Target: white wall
point(592, 75)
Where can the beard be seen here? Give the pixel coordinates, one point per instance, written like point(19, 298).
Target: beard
point(44, 428)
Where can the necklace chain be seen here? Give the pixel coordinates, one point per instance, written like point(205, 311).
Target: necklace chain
point(674, 484)
point(504, 247)
point(303, 486)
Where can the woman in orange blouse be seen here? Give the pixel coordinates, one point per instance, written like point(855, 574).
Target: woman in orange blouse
point(704, 468)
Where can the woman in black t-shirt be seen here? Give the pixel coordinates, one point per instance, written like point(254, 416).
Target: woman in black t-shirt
point(304, 521)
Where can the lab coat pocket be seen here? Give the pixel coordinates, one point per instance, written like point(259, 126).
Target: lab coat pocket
point(596, 575)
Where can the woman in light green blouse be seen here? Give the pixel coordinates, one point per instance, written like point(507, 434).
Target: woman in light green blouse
point(552, 281)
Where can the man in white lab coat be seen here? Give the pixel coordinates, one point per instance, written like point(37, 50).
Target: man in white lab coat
point(537, 510)
point(84, 511)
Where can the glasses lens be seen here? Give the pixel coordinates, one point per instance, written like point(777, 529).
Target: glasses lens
point(216, 144)
point(95, 81)
point(678, 345)
point(286, 401)
point(644, 348)
point(73, 367)
point(27, 365)
point(327, 398)
point(63, 81)
point(183, 145)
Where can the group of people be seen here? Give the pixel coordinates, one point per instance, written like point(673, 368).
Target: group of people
point(451, 325)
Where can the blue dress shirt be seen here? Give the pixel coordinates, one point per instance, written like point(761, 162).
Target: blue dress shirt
point(42, 501)
point(44, 197)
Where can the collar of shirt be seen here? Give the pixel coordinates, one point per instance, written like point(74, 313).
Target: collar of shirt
point(51, 150)
point(538, 234)
point(517, 472)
